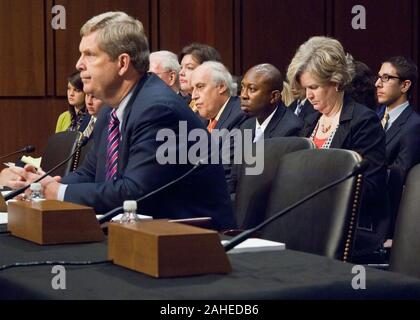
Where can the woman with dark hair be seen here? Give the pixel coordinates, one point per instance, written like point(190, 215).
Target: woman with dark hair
point(190, 58)
point(362, 87)
point(71, 120)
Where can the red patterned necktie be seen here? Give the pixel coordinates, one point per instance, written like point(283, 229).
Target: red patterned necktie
point(212, 124)
point(112, 147)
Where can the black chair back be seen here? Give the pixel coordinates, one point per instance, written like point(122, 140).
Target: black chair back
point(59, 147)
point(252, 191)
point(81, 154)
point(405, 257)
point(325, 224)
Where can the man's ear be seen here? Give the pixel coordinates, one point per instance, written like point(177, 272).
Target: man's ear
point(172, 78)
point(406, 85)
point(275, 96)
point(222, 87)
point(124, 61)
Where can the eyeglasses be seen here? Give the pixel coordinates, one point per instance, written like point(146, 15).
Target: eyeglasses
point(386, 77)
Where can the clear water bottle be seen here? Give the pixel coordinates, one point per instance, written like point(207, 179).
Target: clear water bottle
point(36, 192)
point(130, 212)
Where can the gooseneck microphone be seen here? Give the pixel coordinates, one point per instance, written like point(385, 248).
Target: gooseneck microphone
point(358, 168)
point(17, 192)
point(27, 149)
point(111, 214)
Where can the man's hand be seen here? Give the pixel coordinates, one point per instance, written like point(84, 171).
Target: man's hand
point(13, 177)
point(50, 186)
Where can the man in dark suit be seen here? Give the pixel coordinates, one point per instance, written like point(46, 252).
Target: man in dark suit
point(301, 106)
point(214, 94)
point(261, 100)
point(125, 162)
point(394, 87)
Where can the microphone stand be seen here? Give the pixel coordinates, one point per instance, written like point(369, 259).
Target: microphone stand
point(27, 149)
point(111, 214)
point(17, 192)
point(360, 167)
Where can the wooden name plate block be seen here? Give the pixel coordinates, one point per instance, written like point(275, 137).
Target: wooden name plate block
point(3, 205)
point(161, 248)
point(53, 222)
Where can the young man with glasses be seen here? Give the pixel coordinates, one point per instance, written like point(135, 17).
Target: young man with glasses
point(394, 88)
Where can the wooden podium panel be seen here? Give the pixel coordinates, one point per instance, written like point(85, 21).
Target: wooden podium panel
point(53, 222)
point(3, 205)
point(161, 248)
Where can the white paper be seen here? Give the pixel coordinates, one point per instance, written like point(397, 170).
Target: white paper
point(256, 245)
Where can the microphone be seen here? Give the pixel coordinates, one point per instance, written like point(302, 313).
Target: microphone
point(27, 149)
point(17, 192)
point(358, 168)
point(111, 214)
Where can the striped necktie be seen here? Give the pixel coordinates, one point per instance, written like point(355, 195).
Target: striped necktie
point(299, 106)
point(89, 128)
point(385, 120)
point(112, 146)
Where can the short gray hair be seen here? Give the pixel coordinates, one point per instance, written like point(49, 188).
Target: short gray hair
point(168, 60)
point(325, 59)
point(120, 33)
point(220, 74)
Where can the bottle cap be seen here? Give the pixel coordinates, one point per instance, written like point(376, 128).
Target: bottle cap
point(130, 205)
point(36, 186)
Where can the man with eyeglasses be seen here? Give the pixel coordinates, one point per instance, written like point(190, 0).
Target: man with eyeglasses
point(394, 88)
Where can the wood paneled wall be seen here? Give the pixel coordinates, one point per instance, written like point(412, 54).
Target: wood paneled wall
point(35, 60)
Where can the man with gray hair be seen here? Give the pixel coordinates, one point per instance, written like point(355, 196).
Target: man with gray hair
point(166, 66)
point(214, 93)
point(123, 163)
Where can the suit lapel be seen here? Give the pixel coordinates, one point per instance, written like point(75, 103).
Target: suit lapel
point(343, 129)
point(278, 115)
point(225, 114)
point(123, 147)
point(398, 123)
point(250, 124)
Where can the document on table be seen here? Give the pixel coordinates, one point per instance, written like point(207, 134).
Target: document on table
point(256, 245)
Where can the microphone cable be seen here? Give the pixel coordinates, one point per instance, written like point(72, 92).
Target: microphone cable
point(52, 263)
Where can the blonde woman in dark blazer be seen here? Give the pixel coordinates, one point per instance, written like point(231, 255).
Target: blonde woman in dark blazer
point(321, 67)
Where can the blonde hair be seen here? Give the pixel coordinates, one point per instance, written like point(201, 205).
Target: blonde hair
point(286, 94)
point(325, 59)
point(120, 33)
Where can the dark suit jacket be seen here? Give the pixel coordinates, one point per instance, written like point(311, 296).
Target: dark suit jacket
point(153, 107)
point(283, 124)
point(232, 116)
point(307, 109)
point(403, 141)
point(402, 153)
point(85, 122)
point(360, 130)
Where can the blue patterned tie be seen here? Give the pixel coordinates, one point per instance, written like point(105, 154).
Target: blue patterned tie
point(112, 147)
